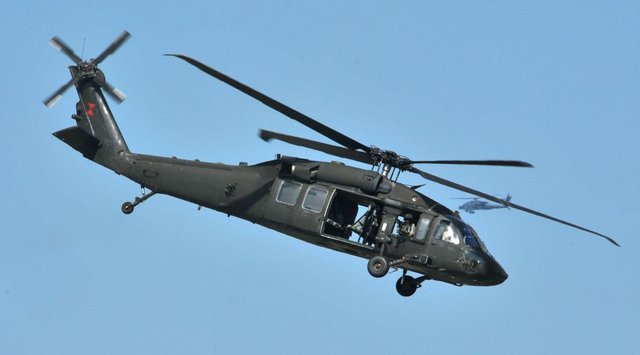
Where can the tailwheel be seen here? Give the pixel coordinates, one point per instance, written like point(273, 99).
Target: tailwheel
point(407, 285)
point(127, 207)
point(378, 266)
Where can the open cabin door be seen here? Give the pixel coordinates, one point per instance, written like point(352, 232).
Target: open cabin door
point(352, 218)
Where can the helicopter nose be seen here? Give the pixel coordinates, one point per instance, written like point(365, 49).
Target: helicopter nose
point(496, 273)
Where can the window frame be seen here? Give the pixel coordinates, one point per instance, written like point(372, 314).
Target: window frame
point(297, 195)
point(324, 200)
point(420, 225)
point(456, 232)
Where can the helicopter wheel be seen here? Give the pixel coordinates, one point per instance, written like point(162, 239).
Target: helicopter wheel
point(406, 286)
point(127, 207)
point(378, 266)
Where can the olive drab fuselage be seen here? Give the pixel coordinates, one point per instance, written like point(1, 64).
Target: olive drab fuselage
point(276, 194)
point(362, 212)
point(322, 207)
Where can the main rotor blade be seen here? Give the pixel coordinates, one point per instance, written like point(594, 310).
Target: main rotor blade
point(327, 148)
point(57, 95)
point(112, 48)
point(278, 106)
point(58, 44)
point(448, 183)
point(513, 163)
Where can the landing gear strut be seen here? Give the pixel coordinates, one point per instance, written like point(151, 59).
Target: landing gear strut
point(128, 207)
point(406, 285)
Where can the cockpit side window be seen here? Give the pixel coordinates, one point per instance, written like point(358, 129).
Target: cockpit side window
point(447, 233)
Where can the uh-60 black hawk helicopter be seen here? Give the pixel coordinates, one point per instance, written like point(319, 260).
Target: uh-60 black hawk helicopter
point(361, 212)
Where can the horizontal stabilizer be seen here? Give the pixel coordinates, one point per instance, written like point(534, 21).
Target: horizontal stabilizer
point(79, 140)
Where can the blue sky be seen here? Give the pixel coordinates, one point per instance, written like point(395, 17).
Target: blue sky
point(553, 83)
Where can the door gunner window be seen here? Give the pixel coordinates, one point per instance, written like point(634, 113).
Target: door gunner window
point(315, 199)
point(289, 192)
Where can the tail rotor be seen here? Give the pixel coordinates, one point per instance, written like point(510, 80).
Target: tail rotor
point(87, 69)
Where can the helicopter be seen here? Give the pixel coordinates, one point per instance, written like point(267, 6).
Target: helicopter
point(367, 213)
point(476, 205)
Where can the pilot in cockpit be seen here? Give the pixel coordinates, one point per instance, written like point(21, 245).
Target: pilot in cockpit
point(447, 233)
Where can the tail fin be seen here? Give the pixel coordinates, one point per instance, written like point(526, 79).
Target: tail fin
point(508, 199)
point(79, 140)
point(96, 135)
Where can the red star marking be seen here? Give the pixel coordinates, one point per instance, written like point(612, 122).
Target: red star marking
point(90, 110)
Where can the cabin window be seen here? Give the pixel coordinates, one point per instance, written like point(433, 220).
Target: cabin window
point(289, 192)
point(315, 198)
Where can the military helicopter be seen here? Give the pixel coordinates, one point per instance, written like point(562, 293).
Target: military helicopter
point(477, 205)
point(362, 212)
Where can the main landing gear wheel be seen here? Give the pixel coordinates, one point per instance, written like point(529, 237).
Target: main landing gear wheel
point(406, 286)
point(127, 207)
point(378, 266)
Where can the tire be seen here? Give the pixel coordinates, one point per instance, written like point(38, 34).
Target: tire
point(127, 208)
point(406, 287)
point(378, 266)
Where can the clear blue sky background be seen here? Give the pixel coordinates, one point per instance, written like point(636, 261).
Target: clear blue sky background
point(553, 83)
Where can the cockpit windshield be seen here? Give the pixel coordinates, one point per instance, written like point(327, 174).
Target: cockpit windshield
point(469, 235)
point(453, 230)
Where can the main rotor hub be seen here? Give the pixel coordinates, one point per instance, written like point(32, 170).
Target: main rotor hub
point(389, 158)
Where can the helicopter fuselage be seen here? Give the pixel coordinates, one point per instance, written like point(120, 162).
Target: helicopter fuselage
point(344, 208)
point(351, 210)
point(348, 209)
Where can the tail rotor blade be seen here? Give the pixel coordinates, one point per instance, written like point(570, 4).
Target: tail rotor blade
point(113, 47)
point(87, 70)
point(58, 44)
point(115, 94)
point(57, 95)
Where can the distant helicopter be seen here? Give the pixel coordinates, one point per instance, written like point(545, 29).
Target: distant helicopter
point(478, 205)
point(362, 212)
